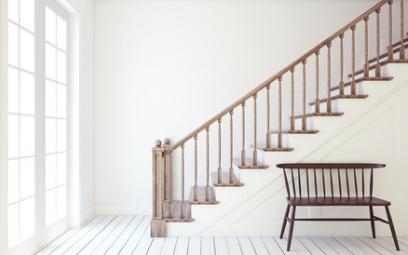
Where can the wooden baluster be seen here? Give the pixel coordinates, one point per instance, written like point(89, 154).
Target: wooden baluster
point(255, 152)
point(347, 183)
point(366, 65)
point(402, 47)
point(243, 161)
point(219, 172)
point(315, 182)
point(300, 183)
point(378, 65)
point(390, 48)
point(207, 186)
point(329, 100)
point(353, 60)
point(195, 169)
point(317, 102)
point(304, 125)
point(341, 64)
point(182, 183)
point(292, 95)
point(293, 182)
point(331, 182)
point(231, 169)
point(339, 180)
point(268, 117)
point(280, 114)
point(355, 182)
point(324, 183)
point(307, 182)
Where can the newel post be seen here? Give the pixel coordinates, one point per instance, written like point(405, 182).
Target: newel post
point(158, 224)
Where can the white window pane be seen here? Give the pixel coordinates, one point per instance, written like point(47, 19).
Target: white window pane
point(61, 33)
point(13, 55)
point(61, 202)
point(61, 135)
point(13, 183)
point(27, 14)
point(50, 135)
point(61, 168)
point(27, 177)
point(62, 101)
point(13, 90)
point(27, 93)
point(50, 99)
point(27, 218)
point(50, 25)
point(50, 62)
point(13, 136)
point(50, 206)
point(26, 50)
point(62, 67)
point(50, 171)
point(13, 10)
point(13, 225)
point(27, 135)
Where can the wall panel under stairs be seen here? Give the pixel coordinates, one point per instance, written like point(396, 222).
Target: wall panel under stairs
point(371, 130)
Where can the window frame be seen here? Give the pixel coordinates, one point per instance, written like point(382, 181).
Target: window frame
point(43, 233)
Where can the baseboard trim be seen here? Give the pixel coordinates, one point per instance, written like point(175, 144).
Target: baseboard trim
point(123, 209)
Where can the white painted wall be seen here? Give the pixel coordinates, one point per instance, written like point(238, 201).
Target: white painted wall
point(162, 68)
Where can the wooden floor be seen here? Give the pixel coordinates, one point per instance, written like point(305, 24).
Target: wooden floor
point(130, 235)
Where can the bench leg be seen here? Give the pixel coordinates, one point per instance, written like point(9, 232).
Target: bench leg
point(372, 221)
point(292, 224)
point(285, 220)
point(394, 235)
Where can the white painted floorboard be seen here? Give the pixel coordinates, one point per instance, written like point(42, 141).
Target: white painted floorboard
point(131, 235)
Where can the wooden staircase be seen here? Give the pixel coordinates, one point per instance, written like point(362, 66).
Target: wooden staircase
point(290, 100)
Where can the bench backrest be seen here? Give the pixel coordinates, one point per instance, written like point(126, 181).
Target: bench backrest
point(306, 180)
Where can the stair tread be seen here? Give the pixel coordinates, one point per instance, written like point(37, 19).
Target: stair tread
point(272, 149)
point(295, 132)
point(321, 114)
point(341, 97)
point(283, 149)
point(249, 164)
point(359, 80)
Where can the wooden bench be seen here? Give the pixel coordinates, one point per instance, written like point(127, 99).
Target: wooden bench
point(332, 185)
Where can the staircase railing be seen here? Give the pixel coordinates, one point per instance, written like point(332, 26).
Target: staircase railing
point(165, 205)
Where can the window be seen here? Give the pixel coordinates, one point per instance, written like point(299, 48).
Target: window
point(38, 120)
point(21, 121)
point(56, 116)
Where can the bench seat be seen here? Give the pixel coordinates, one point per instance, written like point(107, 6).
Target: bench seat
point(338, 201)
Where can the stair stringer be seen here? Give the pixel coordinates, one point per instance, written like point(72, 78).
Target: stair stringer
point(235, 213)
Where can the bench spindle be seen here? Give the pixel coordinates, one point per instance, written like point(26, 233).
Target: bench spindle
point(339, 179)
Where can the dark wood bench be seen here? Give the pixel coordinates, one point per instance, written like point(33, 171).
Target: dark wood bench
point(332, 185)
